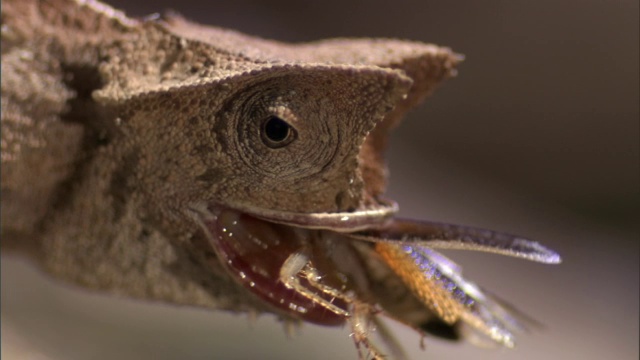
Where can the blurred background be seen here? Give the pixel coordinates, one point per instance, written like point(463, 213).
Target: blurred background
point(538, 135)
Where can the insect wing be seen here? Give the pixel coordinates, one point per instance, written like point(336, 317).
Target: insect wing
point(479, 310)
point(456, 237)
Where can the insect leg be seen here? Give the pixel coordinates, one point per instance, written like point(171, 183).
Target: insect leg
point(299, 266)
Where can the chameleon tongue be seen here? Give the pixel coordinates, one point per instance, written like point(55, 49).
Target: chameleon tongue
point(254, 251)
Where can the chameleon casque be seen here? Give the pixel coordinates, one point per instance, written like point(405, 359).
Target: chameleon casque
point(166, 160)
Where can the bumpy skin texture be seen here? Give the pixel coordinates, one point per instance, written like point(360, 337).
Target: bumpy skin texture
point(112, 128)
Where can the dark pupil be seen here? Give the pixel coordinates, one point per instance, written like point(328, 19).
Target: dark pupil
point(276, 129)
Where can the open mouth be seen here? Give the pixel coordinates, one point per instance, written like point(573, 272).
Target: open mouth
point(255, 251)
point(305, 267)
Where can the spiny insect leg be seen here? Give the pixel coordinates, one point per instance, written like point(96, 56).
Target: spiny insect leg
point(298, 265)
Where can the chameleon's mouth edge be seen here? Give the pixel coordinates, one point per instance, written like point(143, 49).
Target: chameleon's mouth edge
point(337, 221)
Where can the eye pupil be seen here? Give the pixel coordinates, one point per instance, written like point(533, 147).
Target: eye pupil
point(276, 129)
point(276, 132)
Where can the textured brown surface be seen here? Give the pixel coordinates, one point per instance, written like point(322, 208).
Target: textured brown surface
point(154, 118)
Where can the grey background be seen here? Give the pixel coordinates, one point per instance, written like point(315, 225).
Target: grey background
point(538, 135)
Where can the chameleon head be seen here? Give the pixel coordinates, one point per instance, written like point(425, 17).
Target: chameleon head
point(286, 140)
point(277, 139)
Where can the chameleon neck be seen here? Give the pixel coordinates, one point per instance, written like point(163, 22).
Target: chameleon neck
point(51, 51)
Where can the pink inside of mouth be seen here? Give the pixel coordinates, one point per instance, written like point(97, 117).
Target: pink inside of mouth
point(253, 251)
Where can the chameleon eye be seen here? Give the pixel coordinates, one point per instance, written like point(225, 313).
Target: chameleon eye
point(276, 132)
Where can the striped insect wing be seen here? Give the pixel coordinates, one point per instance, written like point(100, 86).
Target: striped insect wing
point(438, 283)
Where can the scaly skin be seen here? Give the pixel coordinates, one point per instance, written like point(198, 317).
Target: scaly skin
point(113, 128)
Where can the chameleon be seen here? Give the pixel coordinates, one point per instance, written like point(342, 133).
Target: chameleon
point(165, 160)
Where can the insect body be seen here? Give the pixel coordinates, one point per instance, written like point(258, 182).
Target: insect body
point(172, 161)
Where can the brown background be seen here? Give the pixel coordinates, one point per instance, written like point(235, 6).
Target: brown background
point(539, 135)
